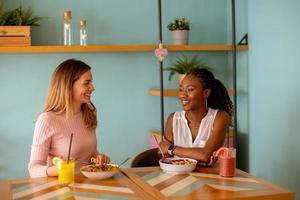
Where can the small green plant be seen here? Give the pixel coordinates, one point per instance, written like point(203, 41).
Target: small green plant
point(179, 24)
point(183, 64)
point(17, 17)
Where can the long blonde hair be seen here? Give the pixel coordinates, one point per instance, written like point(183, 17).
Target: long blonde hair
point(60, 99)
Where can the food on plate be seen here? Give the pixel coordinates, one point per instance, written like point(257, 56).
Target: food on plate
point(177, 161)
point(94, 167)
point(100, 168)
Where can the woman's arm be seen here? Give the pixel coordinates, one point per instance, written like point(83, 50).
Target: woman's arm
point(168, 137)
point(214, 142)
point(37, 166)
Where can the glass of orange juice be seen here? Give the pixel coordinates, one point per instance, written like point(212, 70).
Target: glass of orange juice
point(65, 171)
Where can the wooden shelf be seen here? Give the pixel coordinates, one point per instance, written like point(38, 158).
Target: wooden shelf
point(116, 48)
point(175, 92)
point(204, 47)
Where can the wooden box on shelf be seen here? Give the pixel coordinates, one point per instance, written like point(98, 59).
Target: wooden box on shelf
point(15, 36)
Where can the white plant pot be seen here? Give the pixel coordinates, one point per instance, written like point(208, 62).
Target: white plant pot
point(180, 37)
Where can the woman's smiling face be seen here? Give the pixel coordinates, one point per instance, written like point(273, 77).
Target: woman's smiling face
point(83, 88)
point(191, 93)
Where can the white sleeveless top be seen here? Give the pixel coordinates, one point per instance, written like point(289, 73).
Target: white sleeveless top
point(182, 135)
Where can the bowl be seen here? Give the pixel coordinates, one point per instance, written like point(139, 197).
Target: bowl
point(101, 174)
point(186, 165)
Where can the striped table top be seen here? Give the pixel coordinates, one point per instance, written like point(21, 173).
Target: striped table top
point(116, 188)
point(147, 183)
point(204, 184)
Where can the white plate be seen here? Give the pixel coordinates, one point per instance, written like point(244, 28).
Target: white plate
point(180, 169)
point(98, 175)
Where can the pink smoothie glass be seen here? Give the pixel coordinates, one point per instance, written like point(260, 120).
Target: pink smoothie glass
point(228, 163)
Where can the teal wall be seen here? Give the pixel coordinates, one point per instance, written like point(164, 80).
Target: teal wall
point(126, 112)
point(242, 88)
point(267, 78)
point(274, 29)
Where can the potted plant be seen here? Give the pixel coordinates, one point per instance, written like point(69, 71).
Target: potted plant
point(15, 26)
point(182, 65)
point(180, 31)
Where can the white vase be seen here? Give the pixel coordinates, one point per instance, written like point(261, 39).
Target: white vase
point(180, 37)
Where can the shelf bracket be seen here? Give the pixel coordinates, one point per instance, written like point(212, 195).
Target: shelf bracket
point(244, 40)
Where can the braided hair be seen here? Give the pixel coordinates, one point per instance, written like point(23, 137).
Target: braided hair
point(219, 98)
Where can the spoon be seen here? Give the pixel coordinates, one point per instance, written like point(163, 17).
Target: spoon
point(124, 161)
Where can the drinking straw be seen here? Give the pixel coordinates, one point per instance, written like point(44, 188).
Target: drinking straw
point(162, 154)
point(70, 145)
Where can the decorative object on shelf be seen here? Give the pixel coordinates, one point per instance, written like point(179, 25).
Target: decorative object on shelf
point(180, 31)
point(83, 33)
point(183, 64)
point(161, 53)
point(15, 36)
point(67, 28)
point(15, 26)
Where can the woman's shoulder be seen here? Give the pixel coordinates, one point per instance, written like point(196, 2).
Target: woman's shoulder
point(48, 116)
point(179, 114)
point(176, 114)
point(222, 116)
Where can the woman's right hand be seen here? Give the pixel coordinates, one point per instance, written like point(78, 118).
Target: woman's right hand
point(52, 171)
point(102, 159)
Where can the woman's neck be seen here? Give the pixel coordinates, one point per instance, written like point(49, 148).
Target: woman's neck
point(195, 116)
point(76, 109)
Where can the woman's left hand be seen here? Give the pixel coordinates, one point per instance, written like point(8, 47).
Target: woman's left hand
point(102, 159)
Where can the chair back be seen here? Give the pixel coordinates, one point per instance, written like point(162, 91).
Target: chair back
point(146, 158)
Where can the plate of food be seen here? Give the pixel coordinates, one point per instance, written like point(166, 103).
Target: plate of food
point(96, 171)
point(99, 171)
point(177, 165)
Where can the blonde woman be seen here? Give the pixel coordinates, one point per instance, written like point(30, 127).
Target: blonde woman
point(68, 109)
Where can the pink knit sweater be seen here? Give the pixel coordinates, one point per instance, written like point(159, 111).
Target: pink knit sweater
point(52, 137)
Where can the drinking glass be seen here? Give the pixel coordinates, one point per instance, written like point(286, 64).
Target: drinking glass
point(228, 163)
point(66, 171)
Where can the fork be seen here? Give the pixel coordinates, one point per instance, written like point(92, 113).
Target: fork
point(124, 161)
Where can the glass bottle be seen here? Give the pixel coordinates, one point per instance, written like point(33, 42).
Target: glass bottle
point(67, 28)
point(83, 34)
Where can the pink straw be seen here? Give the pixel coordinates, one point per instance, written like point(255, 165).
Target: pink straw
point(162, 154)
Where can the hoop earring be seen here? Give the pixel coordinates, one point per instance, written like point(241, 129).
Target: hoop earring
point(206, 104)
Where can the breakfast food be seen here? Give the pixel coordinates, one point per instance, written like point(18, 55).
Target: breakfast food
point(100, 168)
point(177, 161)
point(94, 167)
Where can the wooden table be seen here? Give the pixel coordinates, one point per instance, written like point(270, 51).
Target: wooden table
point(118, 187)
point(204, 184)
point(148, 183)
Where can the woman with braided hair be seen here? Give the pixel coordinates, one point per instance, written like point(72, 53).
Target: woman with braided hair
point(200, 128)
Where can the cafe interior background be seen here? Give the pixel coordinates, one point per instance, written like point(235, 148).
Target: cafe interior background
point(267, 77)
